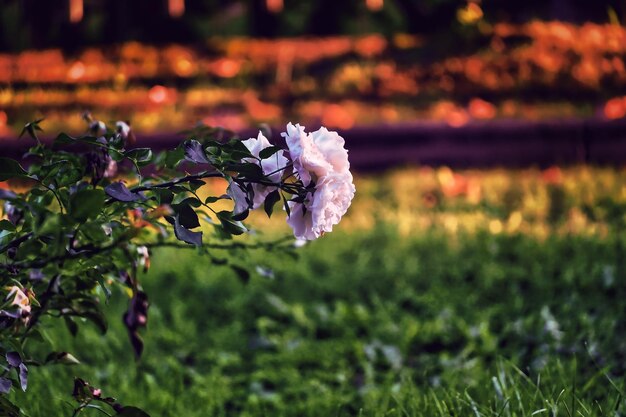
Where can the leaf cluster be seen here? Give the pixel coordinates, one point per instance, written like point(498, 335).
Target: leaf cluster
point(81, 216)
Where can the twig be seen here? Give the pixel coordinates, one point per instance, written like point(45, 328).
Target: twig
point(16, 242)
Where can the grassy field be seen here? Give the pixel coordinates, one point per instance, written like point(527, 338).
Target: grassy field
point(401, 312)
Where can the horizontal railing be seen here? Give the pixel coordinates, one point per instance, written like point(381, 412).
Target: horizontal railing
point(506, 143)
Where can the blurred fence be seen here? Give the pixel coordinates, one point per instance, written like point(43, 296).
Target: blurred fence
point(507, 143)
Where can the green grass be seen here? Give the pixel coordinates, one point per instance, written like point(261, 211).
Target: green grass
point(368, 324)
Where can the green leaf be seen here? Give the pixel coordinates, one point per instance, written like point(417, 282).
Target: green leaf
point(31, 128)
point(174, 157)
point(132, 412)
point(93, 231)
point(86, 204)
point(271, 199)
point(97, 318)
point(7, 225)
point(286, 205)
point(239, 150)
point(247, 170)
point(195, 184)
point(143, 156)
point(63, 139)
point(269, 151)
point(212, 199)
point(164, 196)
point(7, 408)
point(71, 325)
point(10, 168)
point(229, 225)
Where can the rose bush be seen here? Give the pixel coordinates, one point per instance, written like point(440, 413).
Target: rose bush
point(84, 216)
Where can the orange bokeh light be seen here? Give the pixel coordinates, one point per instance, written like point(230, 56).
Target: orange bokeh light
point(76, 11)
point(160, 95)
point(481, 109)
point(76, 71)
point(374, 5)
point(457, 118)
point(176, 8)
point(183, 67)
point(370, 45)
point(274, 6)
point(615, 108)
point(552, 175)
point(226, 68)
point(337, 116)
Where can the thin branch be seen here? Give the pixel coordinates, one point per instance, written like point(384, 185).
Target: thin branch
point(79, 252)
point(16, 242)
point(177, 181)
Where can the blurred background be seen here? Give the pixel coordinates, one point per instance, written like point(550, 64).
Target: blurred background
point(478, 272)
point(354, 65)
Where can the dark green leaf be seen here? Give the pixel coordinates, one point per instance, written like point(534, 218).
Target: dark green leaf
point(191, 201)
point(105, 289)
point(195, 184)
point(164, 196)
point(239, 150)
point(93, 231)
point(186, 215)
point(271, 199)
point(229, 225)
point(10, 168)
point(63, 139)
point(247, 170)
point(241, 216)
point(286, 206)
point(269, 151)
point(71, 325)
point(82, 390)
point(174, 157)
point(7, 225)
point(87, 203)
point(97, 318)
point(142, 156)
point(211, 199)
point(7, 408)
point(31, 128)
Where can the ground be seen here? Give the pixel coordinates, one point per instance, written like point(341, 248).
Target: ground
point(388, 319)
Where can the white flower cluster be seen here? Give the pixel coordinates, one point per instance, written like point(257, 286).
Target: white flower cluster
point(320, 161)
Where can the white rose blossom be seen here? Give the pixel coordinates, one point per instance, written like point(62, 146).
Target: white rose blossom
point(273, 168)
point(319, 157)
